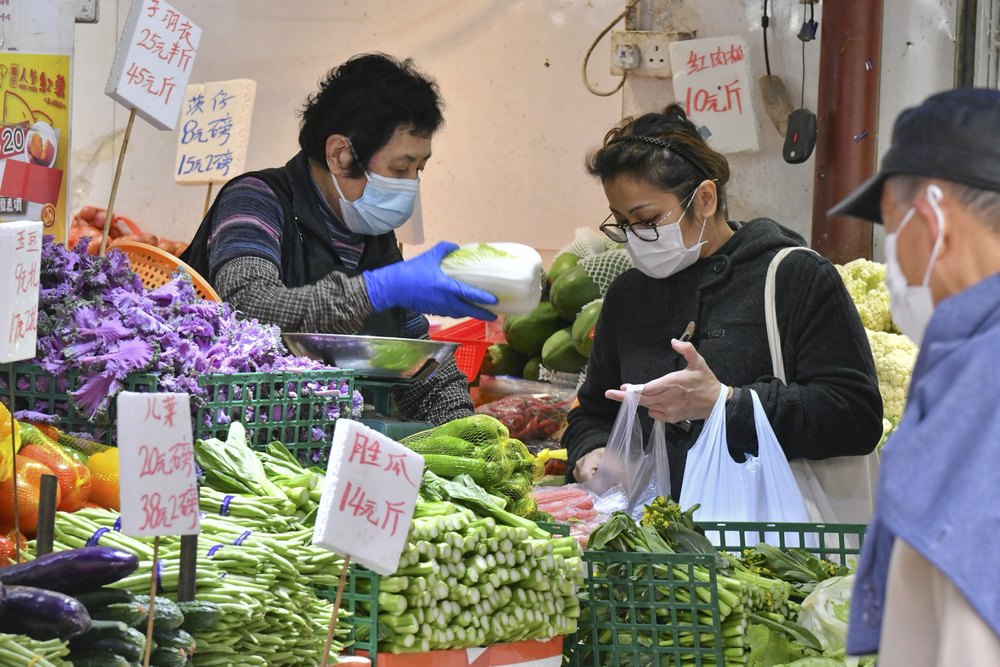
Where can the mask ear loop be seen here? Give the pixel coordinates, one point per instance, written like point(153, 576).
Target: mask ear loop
point(934, 196)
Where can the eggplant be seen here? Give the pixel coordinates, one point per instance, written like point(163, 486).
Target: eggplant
point(72, 571)
point(42, 614)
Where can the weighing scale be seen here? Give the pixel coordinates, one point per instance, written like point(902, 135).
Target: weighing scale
point(379, 365)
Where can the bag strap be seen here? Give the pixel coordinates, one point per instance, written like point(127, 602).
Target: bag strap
point(771, 313)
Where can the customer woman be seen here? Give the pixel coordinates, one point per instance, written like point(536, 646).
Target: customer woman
point(698, 273)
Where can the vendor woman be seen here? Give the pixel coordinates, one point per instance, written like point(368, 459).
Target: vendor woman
point(310, 246)
point(666, 190)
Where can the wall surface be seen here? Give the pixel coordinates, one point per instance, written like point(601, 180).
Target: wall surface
point(509, 164)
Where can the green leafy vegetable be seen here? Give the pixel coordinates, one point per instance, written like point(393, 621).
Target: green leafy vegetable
point(825, 612)
point(771, 649)
point(236, 461)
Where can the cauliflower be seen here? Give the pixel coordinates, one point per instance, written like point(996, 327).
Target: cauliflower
point(865, 281)
point(894, 356)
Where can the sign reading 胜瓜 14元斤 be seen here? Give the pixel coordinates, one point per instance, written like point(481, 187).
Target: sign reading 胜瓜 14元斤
point(158, 486)
point(215, 129)
point(712, 79)
point(20, 263)
point(153, 62)
point(369, 497)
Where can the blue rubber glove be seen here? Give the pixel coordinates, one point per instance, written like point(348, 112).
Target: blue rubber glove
point(420, 285)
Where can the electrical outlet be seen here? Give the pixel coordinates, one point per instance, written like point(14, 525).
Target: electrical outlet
point(653, 52)
point(87, 11)
point(625, 57)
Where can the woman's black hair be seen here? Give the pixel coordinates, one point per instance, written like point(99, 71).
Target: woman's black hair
point(663, 149)
point(366, 99)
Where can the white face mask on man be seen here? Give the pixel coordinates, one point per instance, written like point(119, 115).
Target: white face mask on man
point(912, 306)
point(666, 255)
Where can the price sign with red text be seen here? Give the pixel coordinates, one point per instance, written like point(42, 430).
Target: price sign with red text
point(159, 489)
point(20, 261)
point(369, 497)
point(712, 79)
point(153, 62)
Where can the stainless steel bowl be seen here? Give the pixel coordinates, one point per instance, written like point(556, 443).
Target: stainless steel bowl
point(372, 356)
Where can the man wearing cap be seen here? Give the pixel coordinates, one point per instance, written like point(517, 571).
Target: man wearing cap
point(928, 585)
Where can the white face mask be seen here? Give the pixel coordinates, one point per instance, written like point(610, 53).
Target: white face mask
point(385, 205)
point(666, 255)
point(912, 306)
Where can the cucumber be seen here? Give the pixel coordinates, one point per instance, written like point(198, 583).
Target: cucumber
point(527, 333)
point(103, 597)
point(127, 649)
point(559, 354)
point(502, 359)
point(100, 630)
point(167, 657)
point(572, 291)
point(129, 613)
point(178, 640)
point(167, 615)
point(88, 658)
point(199, 616)
point(561, 264)
point(583, 328)
point(532, 368)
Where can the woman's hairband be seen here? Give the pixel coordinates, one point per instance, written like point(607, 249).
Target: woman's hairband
point(668, 145)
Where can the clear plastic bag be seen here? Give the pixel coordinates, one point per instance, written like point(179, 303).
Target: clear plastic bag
point(631, 475)
point(760, 489)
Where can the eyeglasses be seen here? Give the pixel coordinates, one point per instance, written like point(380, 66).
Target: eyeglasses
point(644, 231)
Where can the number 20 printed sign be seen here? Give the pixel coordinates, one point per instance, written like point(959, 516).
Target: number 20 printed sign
point(159, 489)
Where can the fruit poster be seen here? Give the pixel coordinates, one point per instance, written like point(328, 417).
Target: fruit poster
point(34, 139)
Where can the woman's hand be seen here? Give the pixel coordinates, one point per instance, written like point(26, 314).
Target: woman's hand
point(587, 466)
point(689, 394)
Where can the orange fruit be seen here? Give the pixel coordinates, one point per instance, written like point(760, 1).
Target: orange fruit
point(29, 477)
point(103, 467)
point(64, 468)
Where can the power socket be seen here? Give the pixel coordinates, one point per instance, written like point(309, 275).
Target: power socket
point(625, 57)
point(88, 11)
point(653, 52)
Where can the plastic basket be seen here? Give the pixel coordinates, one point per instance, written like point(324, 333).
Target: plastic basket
point(469, 355)
point(154, 266)
point(38, 390)
point(279, 407)
point(634, 602)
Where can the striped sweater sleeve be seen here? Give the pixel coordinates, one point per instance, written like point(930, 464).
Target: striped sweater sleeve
point(247, 222)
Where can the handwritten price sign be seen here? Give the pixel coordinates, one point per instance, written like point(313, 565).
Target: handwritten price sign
point(369, 497)
point(159, 491)
point(153, 62)
point(20, 258)
point(215, 128)
point(712, 80)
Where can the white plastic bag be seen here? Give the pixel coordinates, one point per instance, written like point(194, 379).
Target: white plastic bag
point(631, 475)
point(760, 489)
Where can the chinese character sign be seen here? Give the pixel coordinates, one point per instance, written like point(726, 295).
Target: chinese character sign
point(20, 259)
point(214, 129)
point(369, 497)
point(712, 79)
point(158, 485)
point(153, 62)
point(34, 139)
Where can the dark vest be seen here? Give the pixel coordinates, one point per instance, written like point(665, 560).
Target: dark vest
point(307, 252)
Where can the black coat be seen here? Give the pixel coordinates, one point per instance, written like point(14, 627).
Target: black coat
point(831, 405)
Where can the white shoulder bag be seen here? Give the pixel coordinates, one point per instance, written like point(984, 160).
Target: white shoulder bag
point(836, 490)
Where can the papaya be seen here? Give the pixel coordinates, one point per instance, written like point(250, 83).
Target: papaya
point(571, 291)
point(527, 333)
point(532, 368)
point(561, 264)
point(559, 354)
point(583, 328)
point(502, 359)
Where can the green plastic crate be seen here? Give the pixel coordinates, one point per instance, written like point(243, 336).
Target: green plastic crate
point(277, 406)
point(649, 602)
point(43, 392)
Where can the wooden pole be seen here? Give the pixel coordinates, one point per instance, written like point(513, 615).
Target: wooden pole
point(48, 488)
point(188, 576)
point(208, 201)
point(152, 603)
point(114, 187)
point(336, 612)
point(13, 463)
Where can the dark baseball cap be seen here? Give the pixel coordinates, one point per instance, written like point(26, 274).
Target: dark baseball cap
point(954, 136)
